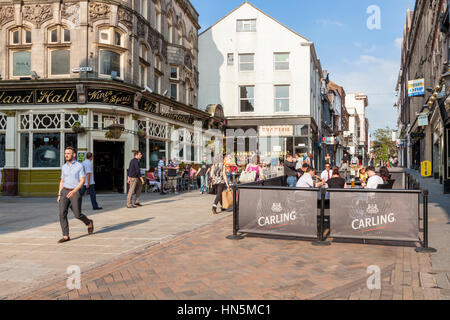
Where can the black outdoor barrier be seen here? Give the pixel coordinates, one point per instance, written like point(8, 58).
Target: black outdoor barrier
point(269, 208)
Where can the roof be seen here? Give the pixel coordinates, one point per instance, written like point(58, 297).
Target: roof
point(248, 3)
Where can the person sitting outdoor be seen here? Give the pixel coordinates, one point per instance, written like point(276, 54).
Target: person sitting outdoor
point(303, 169)
point(289, 171)
point(327, 173)
point(306, 180)
point(384, 174)
point(336, 181)
point(151, 180)
point(374, 180)
point(363, 176)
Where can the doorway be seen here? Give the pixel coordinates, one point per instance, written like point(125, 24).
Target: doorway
point(109, 166)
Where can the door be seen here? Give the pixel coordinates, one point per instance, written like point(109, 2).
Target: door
point(109, 166)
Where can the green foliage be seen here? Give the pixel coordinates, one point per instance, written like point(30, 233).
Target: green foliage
point(383, 146)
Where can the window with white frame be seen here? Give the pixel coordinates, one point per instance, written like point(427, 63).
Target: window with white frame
point(170, 27)
point(246, 25)
point(110, 61)
point(281, 61)
point(180, 34)
point(247, 62)
point(20, 36)
point(111, 57)
point(247, 98)
point(156, 84)
point(58, 34)
point(144, 8)
point(59, 62)
point(143, 65)
point(112, 36)
point(21, 63)
point(174, 90)
point(158, 63)
point(174, 73)
point(158, 15)
point(282, 98)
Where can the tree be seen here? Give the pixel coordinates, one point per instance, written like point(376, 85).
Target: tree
point(383, 146)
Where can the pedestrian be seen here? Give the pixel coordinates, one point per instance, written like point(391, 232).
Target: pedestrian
point(161, 173)
point(299, 160)
point(72, 180)
point(135, 180)
point(328, 159)
point(311, 160)
point(172, 175)
point(374, 180)
point(336, 181)
point(219, 180)
point(384, 174)
point(363, 176)
point(253, 166)
point(89, 184)
point(345, 162)
point(327, 173)
point(289, 171)
point(228, 163)
point(203, 173)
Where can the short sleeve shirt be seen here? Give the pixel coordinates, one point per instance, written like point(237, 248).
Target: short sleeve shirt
point(72, 174)
point(160, 165)
point(374, 181)
point(305, 181)
point(172, 172)
point(88, 168)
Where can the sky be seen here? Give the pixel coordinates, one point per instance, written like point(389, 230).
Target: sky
point(359, 58)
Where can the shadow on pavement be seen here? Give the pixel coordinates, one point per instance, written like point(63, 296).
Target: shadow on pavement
point(122, 226)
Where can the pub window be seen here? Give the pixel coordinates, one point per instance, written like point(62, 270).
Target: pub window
point(110, 61)
point(46, 150)
point(281, 98)
point(143, 149)
point(60, 62)
point(21, 63)
point(247, 98)
point(24, 150)
point(71, 140)
point(2, 150)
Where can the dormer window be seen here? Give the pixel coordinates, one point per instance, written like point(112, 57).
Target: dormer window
point(111, 36)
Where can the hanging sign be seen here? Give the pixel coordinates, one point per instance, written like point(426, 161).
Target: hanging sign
point(416, 88)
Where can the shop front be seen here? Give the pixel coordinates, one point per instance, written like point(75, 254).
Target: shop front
point(37, 124)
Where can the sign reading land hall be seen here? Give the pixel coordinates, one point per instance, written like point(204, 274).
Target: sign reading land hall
point(41, 96)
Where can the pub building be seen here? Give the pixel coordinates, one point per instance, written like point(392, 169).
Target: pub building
point(108, 77)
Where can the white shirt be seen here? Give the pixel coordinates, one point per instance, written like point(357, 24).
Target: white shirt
point(355, 160)
point(88, 168)
point(324, 175)
point(305, 181)
point(373, 182)
point(72, 174)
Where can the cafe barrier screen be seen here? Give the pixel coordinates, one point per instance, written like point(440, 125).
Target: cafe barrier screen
point(400, 180)
point(278, 212)
point(374, 215)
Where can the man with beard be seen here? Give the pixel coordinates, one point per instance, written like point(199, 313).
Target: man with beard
point(72, 180)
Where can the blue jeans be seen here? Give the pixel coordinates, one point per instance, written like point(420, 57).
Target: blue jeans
point(93, 195)
point(204, 183)
point(292, 182)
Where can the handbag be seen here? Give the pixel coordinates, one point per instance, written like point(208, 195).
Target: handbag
point(227, 199)
point(247, 177)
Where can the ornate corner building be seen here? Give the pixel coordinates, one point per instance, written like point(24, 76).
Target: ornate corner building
point(70, 69)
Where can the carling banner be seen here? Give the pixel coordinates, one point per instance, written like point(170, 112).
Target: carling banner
point(374, 215)
point(278, 212)
point(400, 179)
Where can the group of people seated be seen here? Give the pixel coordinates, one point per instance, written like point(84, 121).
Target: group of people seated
point(331, 178)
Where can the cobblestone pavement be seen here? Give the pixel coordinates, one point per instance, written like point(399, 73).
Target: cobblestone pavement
point(204, 265)
point(30, 229)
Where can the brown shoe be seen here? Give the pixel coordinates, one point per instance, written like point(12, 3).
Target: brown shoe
point(62, 240)
point(138, 204)
point(131, 207)
point(91, 227)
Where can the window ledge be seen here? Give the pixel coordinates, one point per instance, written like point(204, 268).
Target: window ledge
point(59, 45)
point(110, 46)
point(19, 46)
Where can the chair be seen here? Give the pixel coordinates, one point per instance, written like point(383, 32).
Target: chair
point(389, 184)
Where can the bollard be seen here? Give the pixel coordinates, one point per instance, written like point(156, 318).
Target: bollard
point(235, 235)
point(321, 241)
point(425, 248)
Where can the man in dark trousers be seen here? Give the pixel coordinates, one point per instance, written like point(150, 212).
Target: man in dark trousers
point(89, 185)
point(72, 180)
point(135, 180)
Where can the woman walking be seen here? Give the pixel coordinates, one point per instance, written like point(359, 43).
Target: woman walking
point(219, 180)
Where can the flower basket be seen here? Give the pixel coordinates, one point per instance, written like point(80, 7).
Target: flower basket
point(142, 134)
point(115, 130)
point(77, 128)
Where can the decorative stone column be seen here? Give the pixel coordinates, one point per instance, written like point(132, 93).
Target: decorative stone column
point(10, 171)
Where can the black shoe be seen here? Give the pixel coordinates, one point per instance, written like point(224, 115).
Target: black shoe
point(214, 210)
point(99, 208)
point(62, 240)
point(138, 204)
point(91, 227)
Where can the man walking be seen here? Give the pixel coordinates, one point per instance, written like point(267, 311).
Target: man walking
point(172, 175)
point(203, 173)
point(72, 180)
point(89, 185)
point(135, 180)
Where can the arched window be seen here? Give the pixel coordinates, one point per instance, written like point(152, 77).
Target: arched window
point(143, 65)
point(158, 15)
point(111, 52)
point(58, 34)
point(170, 24)
point(20, 58)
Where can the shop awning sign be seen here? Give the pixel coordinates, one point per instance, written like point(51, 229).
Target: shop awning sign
point(416, 88)
point(276, 131)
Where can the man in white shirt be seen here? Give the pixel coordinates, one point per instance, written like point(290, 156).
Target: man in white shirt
point(374, 180)
point(306, 180)
point(354, 161)
point(327, 173)
point(89, 184)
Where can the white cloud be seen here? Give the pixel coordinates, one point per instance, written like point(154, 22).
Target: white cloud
point(326, 22)
point(377, 78)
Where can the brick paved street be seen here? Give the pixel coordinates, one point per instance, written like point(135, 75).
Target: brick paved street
point(205, 265)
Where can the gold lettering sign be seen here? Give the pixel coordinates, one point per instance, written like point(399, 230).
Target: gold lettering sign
point(56, 96)
point(17, 97)
point(110, 97)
